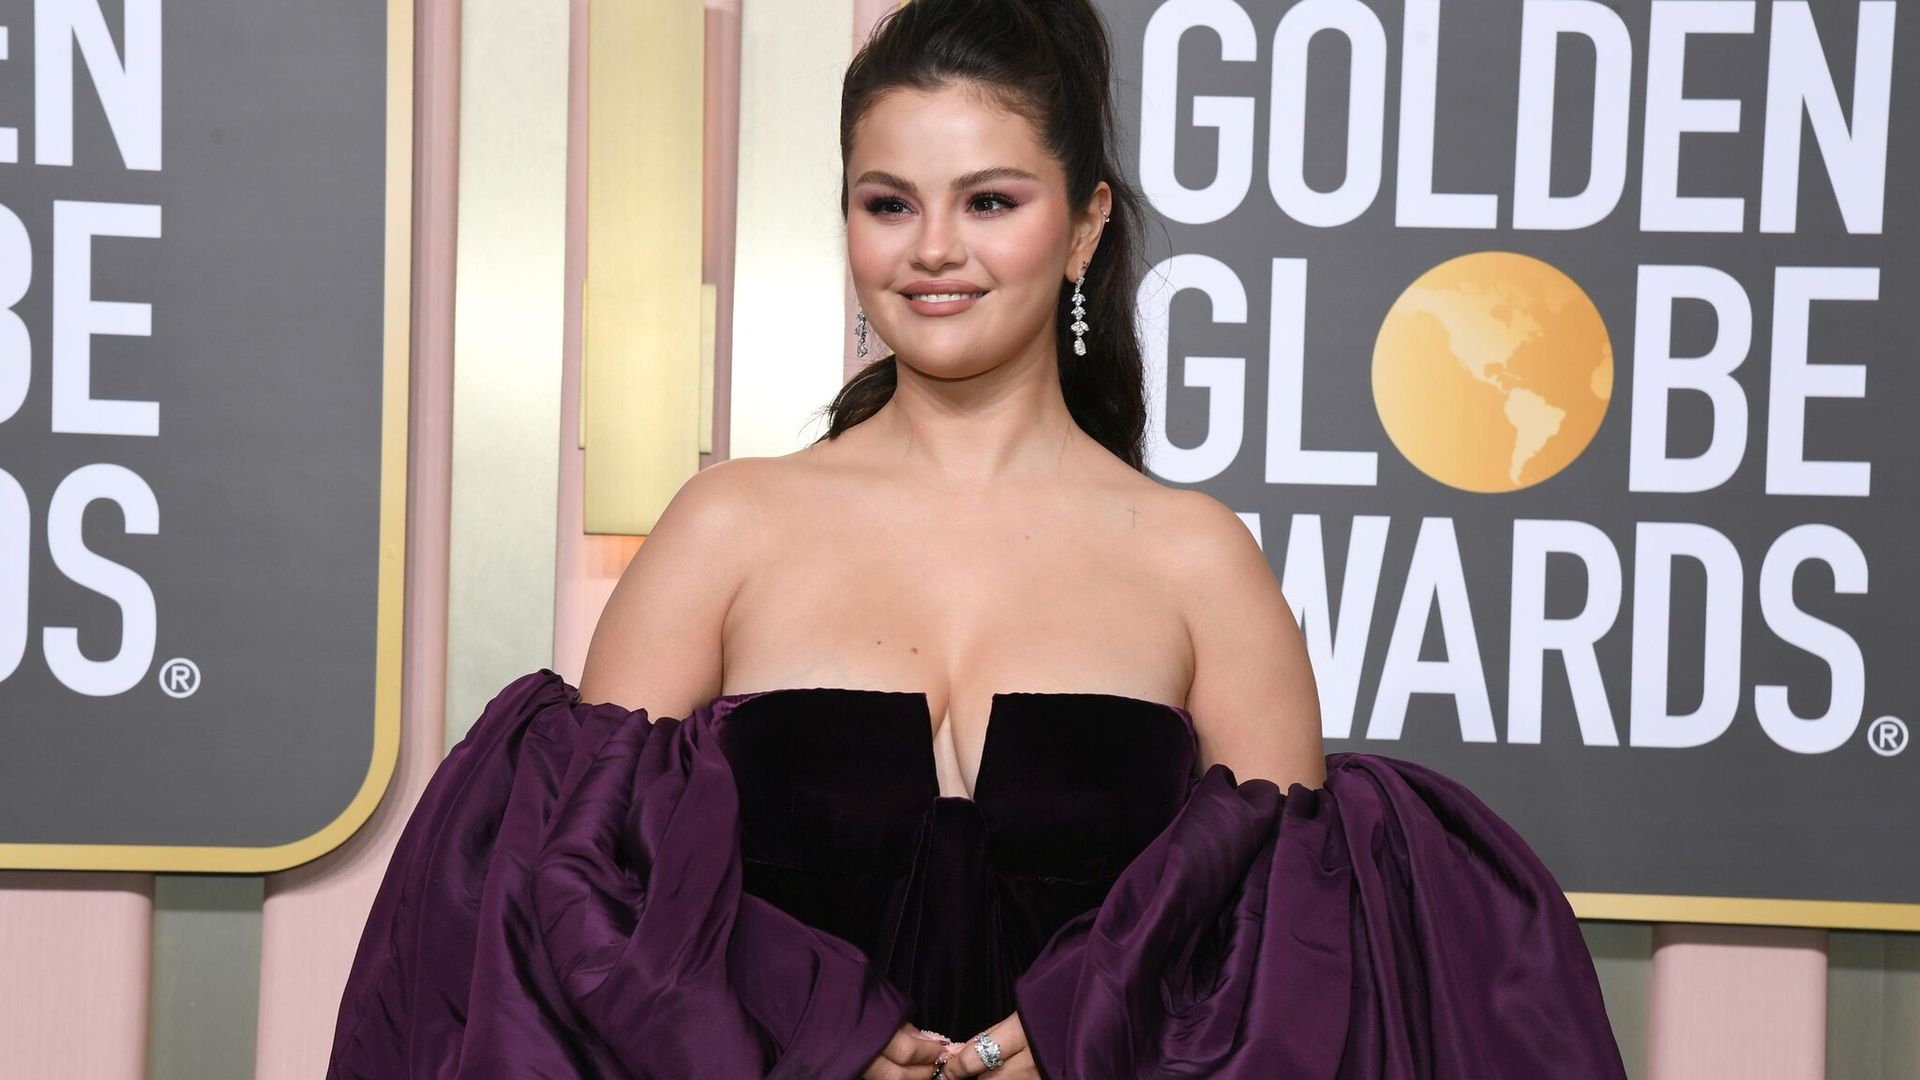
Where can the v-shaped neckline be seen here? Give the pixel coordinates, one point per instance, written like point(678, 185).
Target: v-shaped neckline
point(993, 708)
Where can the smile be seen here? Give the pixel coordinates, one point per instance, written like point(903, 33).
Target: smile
point(942, 303)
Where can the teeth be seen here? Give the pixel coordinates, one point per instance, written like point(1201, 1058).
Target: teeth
point(947, 297)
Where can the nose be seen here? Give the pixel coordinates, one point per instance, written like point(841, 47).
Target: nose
point(939, 244)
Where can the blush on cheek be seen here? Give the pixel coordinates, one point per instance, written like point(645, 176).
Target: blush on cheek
point(875, 258)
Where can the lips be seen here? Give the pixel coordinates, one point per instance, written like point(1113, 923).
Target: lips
point(943, 297)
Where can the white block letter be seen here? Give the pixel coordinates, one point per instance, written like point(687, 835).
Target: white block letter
point(1532, 635)
point(1813, 734)
point(1337, 651)
point(1657, 373)
point(1792, 380)
point(1798, 78)
point(1541, 27)
point(78, 317)
point(1670, 114)
point(1224, 377)
point(1287, 461)
point(1434, 577)
point(1657, 544)
point(129, 90)
point(16, 548)
point(9, 137)
point(1416, 203)
point(1366, 111)
point(1232, 117)
point(118, 673)
point(16, 343)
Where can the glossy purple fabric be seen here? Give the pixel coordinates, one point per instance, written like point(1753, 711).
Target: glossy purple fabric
point(567, 901)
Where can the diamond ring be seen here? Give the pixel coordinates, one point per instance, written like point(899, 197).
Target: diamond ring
point(988, 1050)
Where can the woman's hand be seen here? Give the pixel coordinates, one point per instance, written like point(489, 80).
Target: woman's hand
point(911, 1054)
point(1016, 1062)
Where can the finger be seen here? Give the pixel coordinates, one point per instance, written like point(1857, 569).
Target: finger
point(1011, 1035)
point(909, 1047)
point(1019, 1066)
point(1007, 1034)
point(882, 1069)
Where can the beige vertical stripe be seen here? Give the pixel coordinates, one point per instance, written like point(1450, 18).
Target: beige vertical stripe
point(789, 316)
point(509, 310)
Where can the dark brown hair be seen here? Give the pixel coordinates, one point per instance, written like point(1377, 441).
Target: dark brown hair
point(1048, 61)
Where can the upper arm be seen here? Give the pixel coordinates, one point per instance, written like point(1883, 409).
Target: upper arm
point(1254, 703)
point(657, 645)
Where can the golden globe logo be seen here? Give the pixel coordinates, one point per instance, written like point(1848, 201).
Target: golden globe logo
point(1492, 372)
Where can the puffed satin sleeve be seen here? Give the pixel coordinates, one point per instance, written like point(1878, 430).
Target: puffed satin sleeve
point(1385, 925)
point(565, 901)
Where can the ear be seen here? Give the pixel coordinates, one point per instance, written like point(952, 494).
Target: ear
point(1087, 226)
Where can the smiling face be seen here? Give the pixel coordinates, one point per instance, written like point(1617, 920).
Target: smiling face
point(958, 230)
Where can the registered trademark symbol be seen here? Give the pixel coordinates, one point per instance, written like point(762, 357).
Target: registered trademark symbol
point(1887, 736)
point(180, 677)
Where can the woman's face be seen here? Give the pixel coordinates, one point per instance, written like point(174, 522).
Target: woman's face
point(958, 230)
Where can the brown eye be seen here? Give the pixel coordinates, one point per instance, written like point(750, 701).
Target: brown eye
point(885, 204)
point(992, 202)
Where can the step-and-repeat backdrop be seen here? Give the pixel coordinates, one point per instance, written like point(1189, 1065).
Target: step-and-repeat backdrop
point(1561, 354)
point(202, 444)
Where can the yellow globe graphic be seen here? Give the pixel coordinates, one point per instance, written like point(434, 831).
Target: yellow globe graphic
point(1492, 372)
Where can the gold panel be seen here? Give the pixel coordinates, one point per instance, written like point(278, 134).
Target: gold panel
point(641, 391)
point(1748, 911)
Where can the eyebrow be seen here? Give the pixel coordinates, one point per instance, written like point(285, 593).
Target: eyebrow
point(972, 179)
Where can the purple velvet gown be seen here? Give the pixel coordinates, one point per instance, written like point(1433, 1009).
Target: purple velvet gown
point(770, 886)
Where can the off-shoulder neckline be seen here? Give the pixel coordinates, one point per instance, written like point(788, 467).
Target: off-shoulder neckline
point(746, 695)
point(727, 703)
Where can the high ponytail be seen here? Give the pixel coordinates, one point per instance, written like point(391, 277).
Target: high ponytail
point(1049, 61)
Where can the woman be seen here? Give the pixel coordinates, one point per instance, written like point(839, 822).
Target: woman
point(828, 862)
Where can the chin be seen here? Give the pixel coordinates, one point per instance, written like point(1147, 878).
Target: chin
point(942, 360)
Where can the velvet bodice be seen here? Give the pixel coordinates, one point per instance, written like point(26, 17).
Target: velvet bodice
point(843, 826)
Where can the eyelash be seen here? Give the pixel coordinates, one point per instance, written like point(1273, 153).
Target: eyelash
point(878, 203)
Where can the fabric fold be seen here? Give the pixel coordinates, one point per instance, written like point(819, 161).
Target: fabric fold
point(1386, 925)
point(565, 900)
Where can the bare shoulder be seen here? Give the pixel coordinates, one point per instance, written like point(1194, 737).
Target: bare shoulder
point(713, 522)
point(722, 495)
point(1254, 700)
point(657, 643)
point(1214, 545)
point(1199, 543)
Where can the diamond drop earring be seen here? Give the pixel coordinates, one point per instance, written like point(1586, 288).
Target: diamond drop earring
point(1080, 315)
point(860, 333)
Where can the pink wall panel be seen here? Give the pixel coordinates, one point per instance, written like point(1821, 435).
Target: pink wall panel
point(74, 951)
point(1739, 1003)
